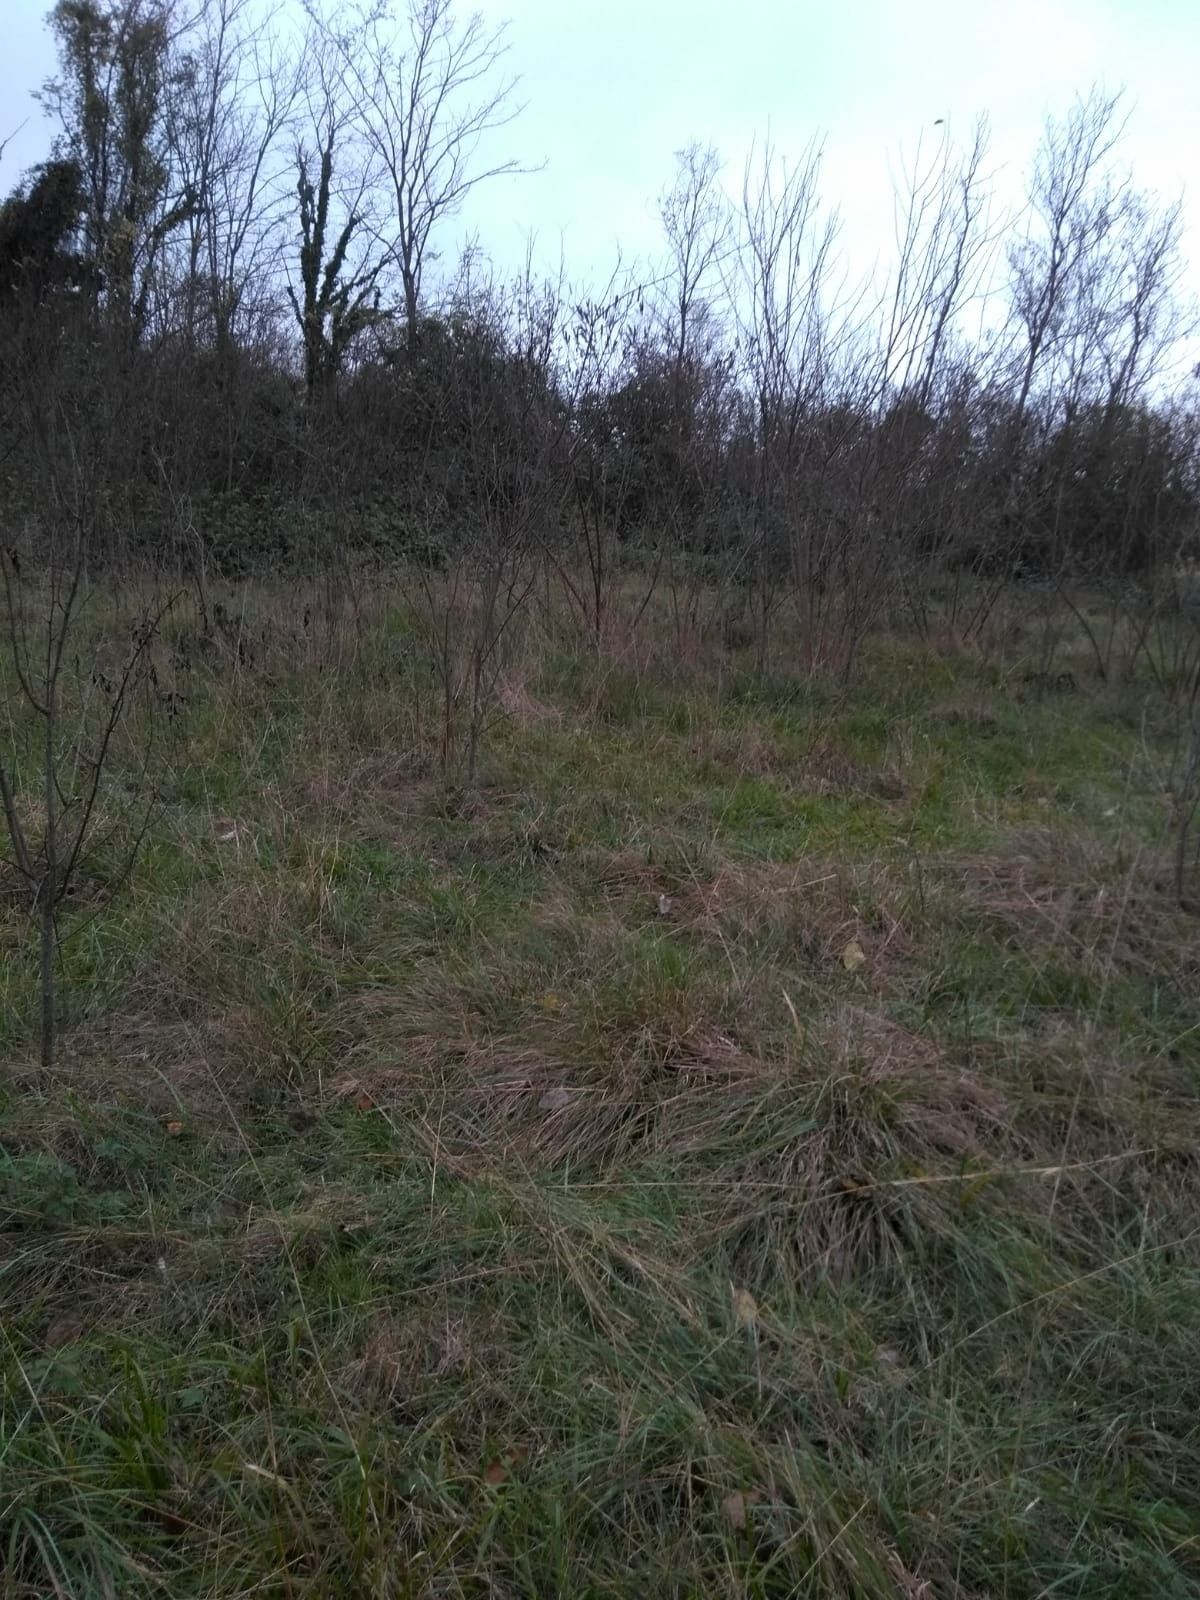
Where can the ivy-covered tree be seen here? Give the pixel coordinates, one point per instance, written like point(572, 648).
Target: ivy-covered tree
point(336, 300)
point(39, 234)
point(116, 71)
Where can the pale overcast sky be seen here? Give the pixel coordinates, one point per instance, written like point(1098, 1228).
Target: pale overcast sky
point(615, 87)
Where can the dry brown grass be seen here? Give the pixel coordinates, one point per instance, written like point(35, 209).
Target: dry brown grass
point(829, 769)
point(517, 700)
point(826, 768)
point(855, 1194)
point(385, 787)
point(401, 1355)
point(823, 914)
point(1105, 910)
point(494, 1104)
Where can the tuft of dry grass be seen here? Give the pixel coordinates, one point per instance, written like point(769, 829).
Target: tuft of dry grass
point(882, 1111)
point(1108, 910)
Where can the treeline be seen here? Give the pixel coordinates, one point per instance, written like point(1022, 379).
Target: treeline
point(229, 338)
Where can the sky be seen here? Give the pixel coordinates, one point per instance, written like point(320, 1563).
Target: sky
point(613, 88)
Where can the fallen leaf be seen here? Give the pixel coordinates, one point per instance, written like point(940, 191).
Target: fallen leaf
point(735, 1508)
point(363, 1102)
point(853, 956)
point(64, 1330)
point(500, 1468)
point(745, 1308)
point(174, 1128)
point(549, 1002)
point(555, 1099)
point(666, 904)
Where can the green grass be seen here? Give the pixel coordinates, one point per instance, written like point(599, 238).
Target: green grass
point(525, 1189)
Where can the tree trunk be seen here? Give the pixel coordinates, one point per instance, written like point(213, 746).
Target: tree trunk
point(48, 891)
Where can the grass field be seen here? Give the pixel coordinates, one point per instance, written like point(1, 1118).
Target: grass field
point(745, 1145)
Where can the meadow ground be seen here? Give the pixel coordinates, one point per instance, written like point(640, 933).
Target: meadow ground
point(746, 1144)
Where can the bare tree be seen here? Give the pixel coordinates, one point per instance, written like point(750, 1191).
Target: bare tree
point(697, 226)
point(8, 139)
point(927, 384)
point(783, 266)
point(496, 484)
point(336, 302)
point(944, 241)
point(73, 692)
point(1070, 205)
point(693, 333)
point(237, 87)
point(601, 455)
point(427, 90)
point(1096, 316)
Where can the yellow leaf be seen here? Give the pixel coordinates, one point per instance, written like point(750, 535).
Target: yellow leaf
point(853, 956)
point(745, 1308)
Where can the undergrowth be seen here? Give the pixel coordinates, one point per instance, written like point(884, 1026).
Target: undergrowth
point(745, 1144)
